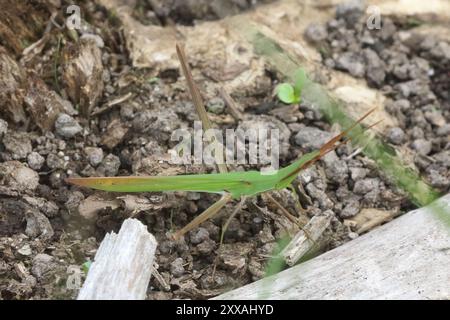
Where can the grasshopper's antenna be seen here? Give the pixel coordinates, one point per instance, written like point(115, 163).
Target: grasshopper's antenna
point(331, 145)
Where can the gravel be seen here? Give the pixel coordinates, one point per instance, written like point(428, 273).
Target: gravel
point(366, 185)
point(109, 166)
point(35, 160)
point(176, 267)
point(422, 146)
point(316, 32)
point(351, 62)
point(312, 138)
point(18, 144)
point(396, 135)
point(94, 155)
point(42, 264)
point(216, 105)
point(66, 126)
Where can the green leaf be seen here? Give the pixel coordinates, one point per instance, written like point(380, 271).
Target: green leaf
point(285, 93)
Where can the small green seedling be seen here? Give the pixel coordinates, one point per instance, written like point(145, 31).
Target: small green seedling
point(291, 94)
point(231, 185)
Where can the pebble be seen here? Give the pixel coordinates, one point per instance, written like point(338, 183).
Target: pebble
point(350, 210)
point(94, 155)
point(206, 247)
point(351, 62)
point(366, 185)
point(110, 165)
point(35, 160)
point(18, 176)
point(335, 168)
point(422, 146)
point(216, 105)
point(316, 32)
point(42, 264)
point(55, 162)
point(358, 173)
point(375, 67)
point(199, 235)
point(312, 138)
point(396, 135)
point(176, 267)
point(18, 144)
point(66, 126)
point(25, 250)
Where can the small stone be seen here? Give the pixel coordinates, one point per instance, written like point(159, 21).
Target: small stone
point(375, 67)
point(396, 135)
point(312, 138)
point(402, 105)
point(358, 173)
point(350, 210)
point(444, 130)
point(366, 185)
point(55, 162)
point(73, 200)
point(17, 176)
point(110, 165)
point(319, 195)
point(438, 180)
point(25, 250)
point(18, 144)
point(35, 160)
point(206, 247)
point(216, 105)
point(38, 225)
point(94, 155)
point(42, 264)
point(335, 169)
point(176, 267)
point(66, 126)
point(422, 146)
point(435, 117)
point(316, 32)
point(199, 235)
point(352, 63)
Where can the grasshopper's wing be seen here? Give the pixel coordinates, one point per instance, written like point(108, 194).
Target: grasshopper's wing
point(234, 183)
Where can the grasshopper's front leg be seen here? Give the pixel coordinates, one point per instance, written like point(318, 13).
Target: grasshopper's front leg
point(205, 215)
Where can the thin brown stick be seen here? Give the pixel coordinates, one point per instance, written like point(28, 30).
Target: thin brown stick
point(197, 99)
point(231, 104)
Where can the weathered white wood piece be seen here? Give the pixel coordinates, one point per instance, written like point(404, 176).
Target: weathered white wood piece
point(122, 266)
point(407, 258)
point(301, 243)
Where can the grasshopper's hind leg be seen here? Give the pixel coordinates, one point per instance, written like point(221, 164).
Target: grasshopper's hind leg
point(205, 215)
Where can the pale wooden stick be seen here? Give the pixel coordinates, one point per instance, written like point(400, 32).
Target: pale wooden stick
point(407, 258)
point(122, 265)
point(303, 242)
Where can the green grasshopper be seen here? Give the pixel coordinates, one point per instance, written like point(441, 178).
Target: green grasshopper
point(231, 185)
